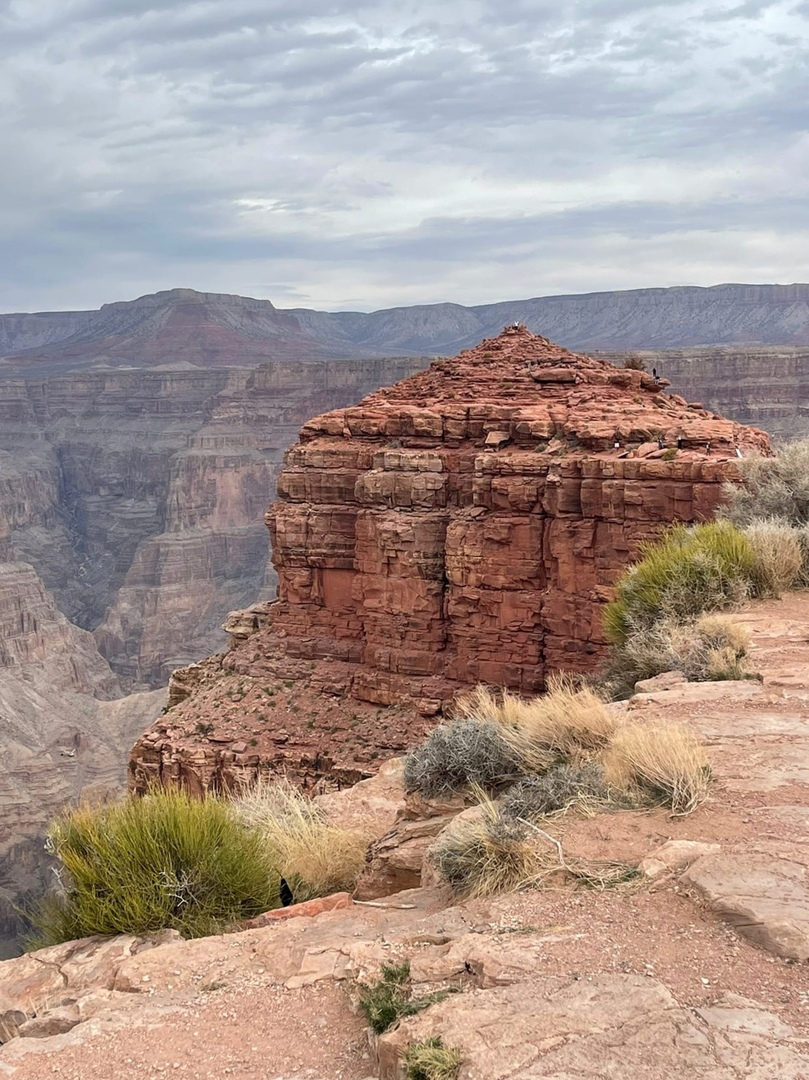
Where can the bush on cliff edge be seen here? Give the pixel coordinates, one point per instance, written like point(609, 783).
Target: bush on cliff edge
point(163, 861)
point(685, 573)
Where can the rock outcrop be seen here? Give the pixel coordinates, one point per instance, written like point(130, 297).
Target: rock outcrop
point(465, 525)
point(763, 385)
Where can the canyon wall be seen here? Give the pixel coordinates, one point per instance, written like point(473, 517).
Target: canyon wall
point(138, 495)
point(463, 526)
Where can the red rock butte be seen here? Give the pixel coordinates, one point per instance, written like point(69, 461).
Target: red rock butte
point(467, 524)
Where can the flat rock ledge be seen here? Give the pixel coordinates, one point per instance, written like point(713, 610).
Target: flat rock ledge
point(765, 899)
point(602, 1028)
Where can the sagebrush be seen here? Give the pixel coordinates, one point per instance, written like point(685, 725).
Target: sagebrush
point(772, 487)
point(710, 648)
point(146, 864)
point(558, 789)
point(466, 751)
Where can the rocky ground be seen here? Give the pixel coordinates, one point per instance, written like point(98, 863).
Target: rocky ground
point(699, 969)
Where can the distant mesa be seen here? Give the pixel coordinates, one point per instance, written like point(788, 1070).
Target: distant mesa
point(212, 330)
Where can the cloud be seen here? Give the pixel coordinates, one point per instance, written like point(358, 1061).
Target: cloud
point(371, 153)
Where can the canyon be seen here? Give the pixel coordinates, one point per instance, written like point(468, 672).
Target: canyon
point(131, 508)
point(139, 448)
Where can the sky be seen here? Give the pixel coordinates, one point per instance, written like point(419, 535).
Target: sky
point(336, 155)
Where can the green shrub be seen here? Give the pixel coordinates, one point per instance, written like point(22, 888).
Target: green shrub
point(772, 487)
point(431, 1060)
point(162, 861)
point(455, 755)
point(557, 789)
point(688, 571)
point(386, 1000)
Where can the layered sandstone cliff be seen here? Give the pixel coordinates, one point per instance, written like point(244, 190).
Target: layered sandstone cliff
point(464, 525)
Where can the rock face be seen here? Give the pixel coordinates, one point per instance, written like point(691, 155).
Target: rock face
point(465, 525)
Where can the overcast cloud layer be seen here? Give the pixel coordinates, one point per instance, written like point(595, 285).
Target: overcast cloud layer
point(363, 154)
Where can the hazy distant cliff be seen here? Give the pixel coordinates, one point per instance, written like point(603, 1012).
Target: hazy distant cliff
point(210, 329)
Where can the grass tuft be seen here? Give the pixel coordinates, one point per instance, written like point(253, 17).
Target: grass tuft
point(779, 555)
point(489, 854)
point(161, 861)
point(666, 761)
point(313, 856)
point(431, 1060)
point(389, 998)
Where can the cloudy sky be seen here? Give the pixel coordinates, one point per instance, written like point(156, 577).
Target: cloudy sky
point(364, 154)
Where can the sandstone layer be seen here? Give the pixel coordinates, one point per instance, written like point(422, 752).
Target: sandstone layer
point(466, 525)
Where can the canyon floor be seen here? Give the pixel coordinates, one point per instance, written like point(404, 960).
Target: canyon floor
point(698, 969)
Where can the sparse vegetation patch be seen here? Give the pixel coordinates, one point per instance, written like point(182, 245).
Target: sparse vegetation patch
point(431, 1060)
point(387, 999)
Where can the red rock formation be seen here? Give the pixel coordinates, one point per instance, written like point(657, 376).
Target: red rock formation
point(465, 525)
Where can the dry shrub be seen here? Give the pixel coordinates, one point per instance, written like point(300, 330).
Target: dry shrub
point(566, 722)
point(431, 1060)
point(488, 854)
point(468, 751)
point(710, 648)
point(315, 857)
point(665, 760)
point(772, 487)
point(779, 555)
point(560, 788)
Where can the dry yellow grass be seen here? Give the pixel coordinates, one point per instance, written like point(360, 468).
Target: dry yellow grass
point(778, 555)
point(666, 760)
point(569, 721)
point(315, 857)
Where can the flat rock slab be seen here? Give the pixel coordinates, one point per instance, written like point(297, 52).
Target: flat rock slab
point(766, 899)
point(603, 1028)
